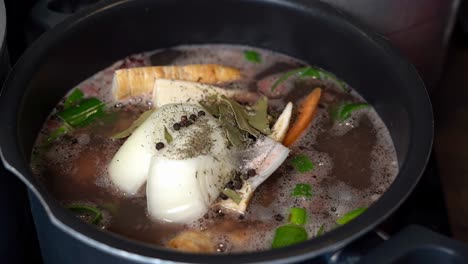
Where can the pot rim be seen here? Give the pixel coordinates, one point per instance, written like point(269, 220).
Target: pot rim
point(412, 167)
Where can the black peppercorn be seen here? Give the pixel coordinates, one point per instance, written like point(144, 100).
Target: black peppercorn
point(159, 145)
point(183, 118)
point(188, 123)
point(230, 185)
point(251, 172)
point(193, 117)
point(201, 113)
point(176, 126)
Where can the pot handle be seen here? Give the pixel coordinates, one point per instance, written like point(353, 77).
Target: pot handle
point(416, 244)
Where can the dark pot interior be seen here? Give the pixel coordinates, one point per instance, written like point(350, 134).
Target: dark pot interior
point(93, 39)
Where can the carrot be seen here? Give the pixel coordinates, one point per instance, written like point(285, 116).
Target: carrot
point(307, 111)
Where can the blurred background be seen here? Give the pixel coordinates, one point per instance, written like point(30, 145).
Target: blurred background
point(432, 34)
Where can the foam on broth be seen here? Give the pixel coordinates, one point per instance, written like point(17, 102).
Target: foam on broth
point(355, 161)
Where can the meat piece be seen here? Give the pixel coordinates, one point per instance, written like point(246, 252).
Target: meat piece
point(192, 241)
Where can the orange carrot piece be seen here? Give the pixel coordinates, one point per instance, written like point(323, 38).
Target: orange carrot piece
point(307, 112)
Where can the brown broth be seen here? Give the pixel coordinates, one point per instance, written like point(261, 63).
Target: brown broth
point(355, 161)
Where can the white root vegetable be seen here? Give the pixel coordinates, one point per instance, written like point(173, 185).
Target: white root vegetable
point(138, 81)
point(280, 128)
point(264, 157)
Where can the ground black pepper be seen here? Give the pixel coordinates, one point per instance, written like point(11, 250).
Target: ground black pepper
point(193, 117)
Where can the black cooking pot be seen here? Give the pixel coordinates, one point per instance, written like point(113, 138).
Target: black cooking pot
point(94, 38)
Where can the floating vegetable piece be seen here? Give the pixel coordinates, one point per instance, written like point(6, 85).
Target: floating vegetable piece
point(345, 110)
point(346, 218)
point(265, 156)
point(241, 116)
point(280, 128)
point(183, 92)
point(302, 163)
point(308, 72)
point(307, 112)
point(127, 132)
point(320, 230)
point(286, 76)
point(259, 119)
point(167, 136)
point(86, 209)
point(139, 81)
point(83, 113)
point(231, 194)
point(288, 235)
point(252, 56)
point(302, 189)
point(192, 241)
point(60, 131)
point(74, 97)
point(297, 216)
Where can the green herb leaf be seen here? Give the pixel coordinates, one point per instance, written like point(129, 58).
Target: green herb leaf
point(321, 230)
point(259, 119)
point(252, 56)
point(73, 98)
point(86, 209)
point(344, 110)
point(302, 189)
point(228, 121)
point(309, 72)
point(167, 136)
point(60, 131)
point(286, 76)
point(83, 113)
point(233, 195)
point(127, 132)
point(289, 235)
point(302, 163)
point(346, 218)
point(241, 116)
point(297, 216)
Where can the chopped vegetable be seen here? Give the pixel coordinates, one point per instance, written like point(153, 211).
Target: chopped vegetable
point(308, 72)
point(302, 189)
point(302, 163)
point(86, 209)
point(83, 113)
point(60, 131)
point(345, 110)
point(127, 132)
point(241, 116)
point(268, 155)
point(73, 98)
point(286, 76)
point(141, 80)
point(306, 115)
point(297, 216)
point(259, 119)
point(346, 218)
point(321, 230)
point(289, 235)
point(233, 195)
point(252, 56)
point(280, 128)
point(167, 136)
